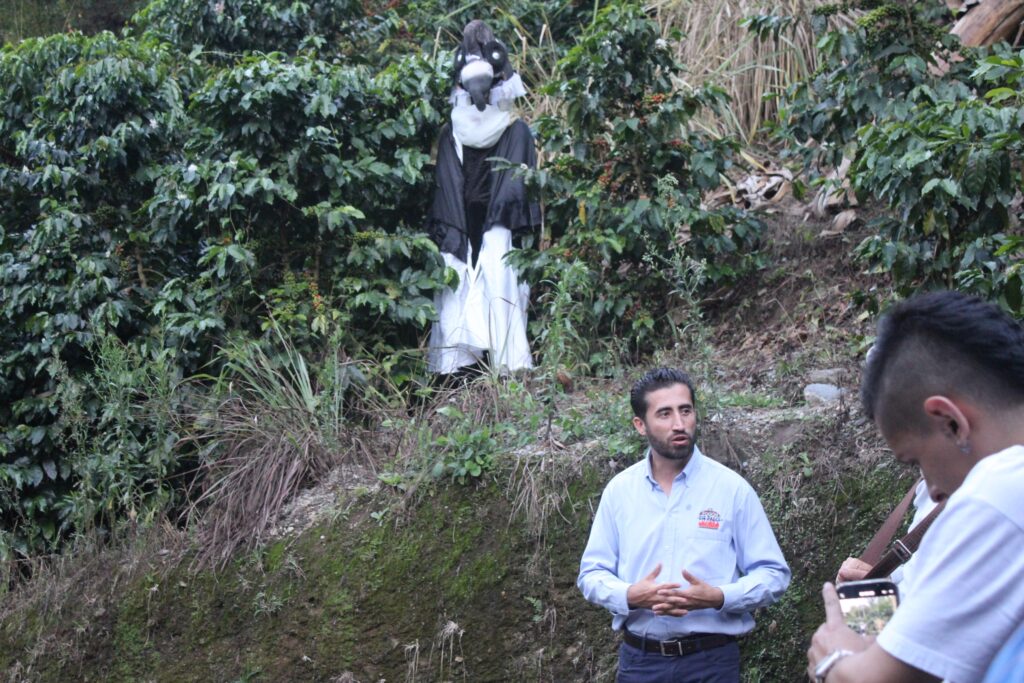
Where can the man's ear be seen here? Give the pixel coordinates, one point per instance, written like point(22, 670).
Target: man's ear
point(638, 423)
point(948, 417)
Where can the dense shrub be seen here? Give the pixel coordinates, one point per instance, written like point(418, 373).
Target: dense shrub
point(44, 17)
point(85, 122)
point(309, 176)
point(515, 22)
point(248, 171)
point(624, 185)
point(169, 202)
point(227, 29)
point(868, 70)
point(950, 171)
point(934, 132)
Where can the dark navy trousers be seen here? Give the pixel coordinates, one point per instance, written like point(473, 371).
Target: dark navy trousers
point(718, 665)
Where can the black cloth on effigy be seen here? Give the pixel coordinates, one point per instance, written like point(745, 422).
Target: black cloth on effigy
point(471, 197)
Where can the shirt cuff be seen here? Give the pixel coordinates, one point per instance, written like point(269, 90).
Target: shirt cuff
point(618, 603)
point(731, 593)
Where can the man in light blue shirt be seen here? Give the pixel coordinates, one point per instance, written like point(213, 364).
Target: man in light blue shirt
point(681, 551)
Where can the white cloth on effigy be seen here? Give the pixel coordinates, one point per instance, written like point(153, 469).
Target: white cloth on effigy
point(485, 313)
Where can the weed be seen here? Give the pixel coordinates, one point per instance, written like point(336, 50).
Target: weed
point(448, 642)
point(266, 604)
point(412, 659)
point(537, 606)
point(748, 399)
point(249, 675)
point(467, 450)
point(117, 426)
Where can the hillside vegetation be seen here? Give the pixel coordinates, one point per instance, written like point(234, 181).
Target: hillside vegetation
point(215, 287)
point(382, 572)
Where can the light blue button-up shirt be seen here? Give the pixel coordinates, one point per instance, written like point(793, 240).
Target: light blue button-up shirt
point(712, 524)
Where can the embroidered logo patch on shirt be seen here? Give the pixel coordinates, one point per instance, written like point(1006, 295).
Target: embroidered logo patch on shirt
point(709, 519)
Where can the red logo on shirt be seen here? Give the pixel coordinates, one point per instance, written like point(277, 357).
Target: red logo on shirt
point(709, 519)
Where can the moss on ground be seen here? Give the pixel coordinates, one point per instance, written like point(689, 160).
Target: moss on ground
point(458, 583)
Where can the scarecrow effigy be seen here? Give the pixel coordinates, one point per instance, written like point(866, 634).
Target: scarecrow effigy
point(480, 211)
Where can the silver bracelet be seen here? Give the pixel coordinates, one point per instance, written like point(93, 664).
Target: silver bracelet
point(825, 665)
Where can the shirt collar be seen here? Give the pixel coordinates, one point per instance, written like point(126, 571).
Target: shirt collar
point(688, 472)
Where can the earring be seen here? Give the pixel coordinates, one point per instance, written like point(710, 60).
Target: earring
point(964, 446)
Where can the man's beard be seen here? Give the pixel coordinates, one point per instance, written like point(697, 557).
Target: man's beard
point(669, 450)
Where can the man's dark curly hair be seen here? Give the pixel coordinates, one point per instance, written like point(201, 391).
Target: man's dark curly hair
point(942, 343)
point(653, 380)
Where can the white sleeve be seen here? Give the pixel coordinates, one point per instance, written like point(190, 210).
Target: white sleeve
point(966, 597)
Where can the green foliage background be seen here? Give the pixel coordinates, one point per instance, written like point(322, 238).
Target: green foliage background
point(220, 173)
point(25, 18)
point(934, 133)
point(260, 169)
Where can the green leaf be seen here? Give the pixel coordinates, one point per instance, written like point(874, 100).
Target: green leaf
point(947, 185)
point(451, 412)
point(34, 475)
point(997, 95)
point(50, 468)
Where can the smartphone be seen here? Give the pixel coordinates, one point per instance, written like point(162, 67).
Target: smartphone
point(868, 605)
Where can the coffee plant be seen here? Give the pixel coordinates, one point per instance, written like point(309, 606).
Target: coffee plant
point(951, 170)
point(86, 121)
point(868, 70)
point(166, 198)
point(227, 29)
point(933, 130)
point(624, 182)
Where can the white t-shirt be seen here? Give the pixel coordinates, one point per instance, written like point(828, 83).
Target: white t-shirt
point(966, 594)
point(923, 506)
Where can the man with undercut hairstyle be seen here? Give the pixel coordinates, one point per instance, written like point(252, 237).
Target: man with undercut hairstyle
point(681, 551)
point(945, 386)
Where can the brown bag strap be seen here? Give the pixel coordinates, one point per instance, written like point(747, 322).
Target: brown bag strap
point(883, 537)
point(902, 549)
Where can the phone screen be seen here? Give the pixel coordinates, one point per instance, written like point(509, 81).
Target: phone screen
point(868, 605)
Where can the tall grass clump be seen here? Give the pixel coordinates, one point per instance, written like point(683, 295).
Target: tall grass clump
point(752, 49)
point(275, 427)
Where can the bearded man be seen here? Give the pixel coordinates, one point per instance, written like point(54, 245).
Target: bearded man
point(681, 551)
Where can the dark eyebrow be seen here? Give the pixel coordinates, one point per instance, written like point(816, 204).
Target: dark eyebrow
point(681, 406)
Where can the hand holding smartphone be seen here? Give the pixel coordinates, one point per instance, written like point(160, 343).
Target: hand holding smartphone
point(868, 605)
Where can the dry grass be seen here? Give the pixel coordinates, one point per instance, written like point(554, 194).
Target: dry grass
point(448, 642)
point(345, 677)
point(412, 661)
point(538, 486)
point(261, 468)
point(94, 570)
point(718, 50)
